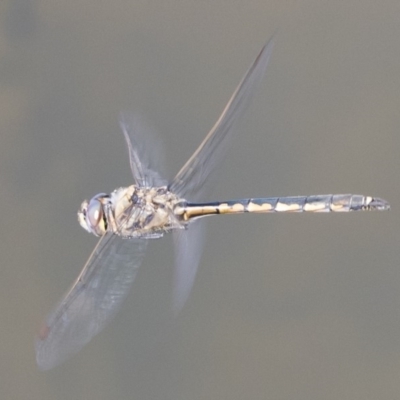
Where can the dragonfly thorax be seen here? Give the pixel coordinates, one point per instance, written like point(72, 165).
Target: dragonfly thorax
point(132, 212)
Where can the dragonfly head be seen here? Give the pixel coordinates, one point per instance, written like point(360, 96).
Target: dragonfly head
point(92, 216)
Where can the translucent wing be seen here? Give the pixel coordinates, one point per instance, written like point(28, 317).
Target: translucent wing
point(188, 248)
point(92, 301)
point(144, 152)
point(190, 179)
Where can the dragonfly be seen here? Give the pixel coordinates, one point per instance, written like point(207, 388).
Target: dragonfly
point(151, 207)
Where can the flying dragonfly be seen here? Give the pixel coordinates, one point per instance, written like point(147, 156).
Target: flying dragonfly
point(151, 207)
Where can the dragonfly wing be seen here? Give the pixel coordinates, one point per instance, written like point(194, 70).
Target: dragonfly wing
point(188, 248)
point(92, 301)
point(144, 151)
point(190, 179)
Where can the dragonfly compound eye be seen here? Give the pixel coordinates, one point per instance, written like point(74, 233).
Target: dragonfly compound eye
point(82, 215)
point(95, 217)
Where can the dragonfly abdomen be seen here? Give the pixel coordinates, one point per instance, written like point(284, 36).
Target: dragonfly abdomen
point(318, 203)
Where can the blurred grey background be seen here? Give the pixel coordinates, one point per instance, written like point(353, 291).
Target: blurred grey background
point(284, 306)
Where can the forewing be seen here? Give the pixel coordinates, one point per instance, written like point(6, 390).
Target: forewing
point(92, 301)
point(144, 152)
point(188, 248)
point(190, 179)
